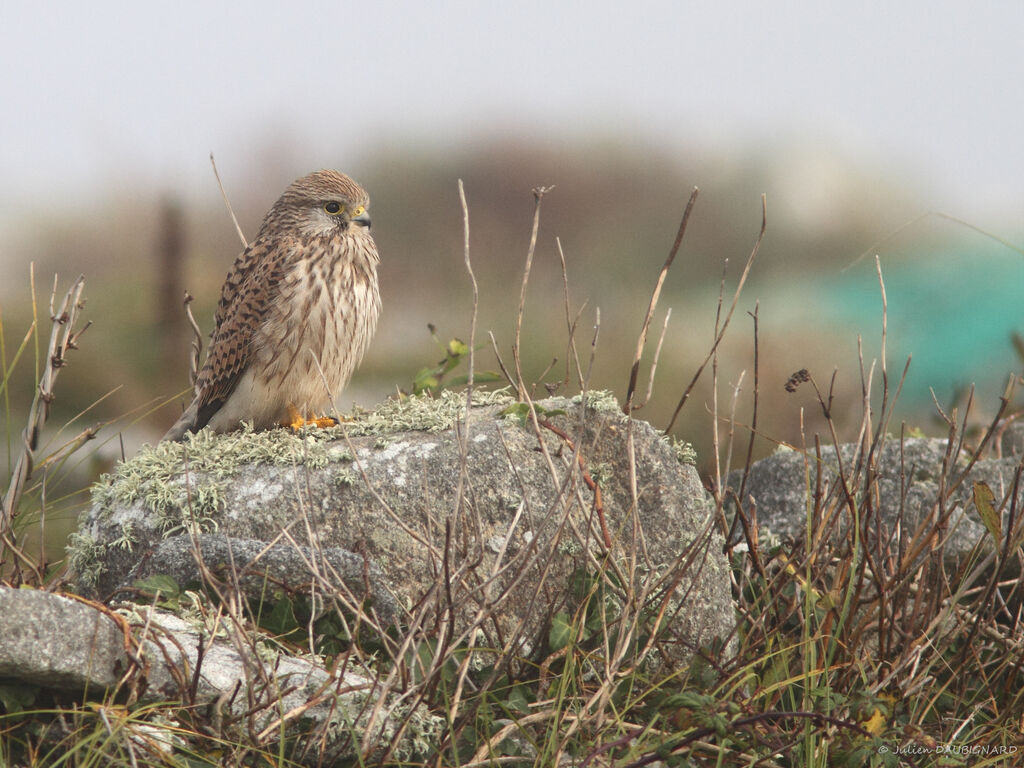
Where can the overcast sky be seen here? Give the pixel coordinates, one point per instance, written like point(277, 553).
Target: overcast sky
point(92, 90)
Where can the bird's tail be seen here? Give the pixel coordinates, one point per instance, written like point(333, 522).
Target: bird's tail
point(186, 423)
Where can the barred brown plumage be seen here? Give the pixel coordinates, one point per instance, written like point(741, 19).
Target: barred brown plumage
point(296, 312)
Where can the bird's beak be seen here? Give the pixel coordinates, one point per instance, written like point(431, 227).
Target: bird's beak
point(363, 219)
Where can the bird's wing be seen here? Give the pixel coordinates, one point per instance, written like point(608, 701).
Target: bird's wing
point(243, 266)
point(249, 290)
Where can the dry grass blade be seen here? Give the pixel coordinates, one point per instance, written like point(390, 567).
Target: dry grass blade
point(572, 356)
point(642, 340)
point(657, 357)
point(538, 196)
point(195, 357)
point(476, 291)
point(928, 215)
point(227, 203)
point(472, 344)
point(728, 316)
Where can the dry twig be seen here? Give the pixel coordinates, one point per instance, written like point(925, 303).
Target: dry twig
point(63, 337)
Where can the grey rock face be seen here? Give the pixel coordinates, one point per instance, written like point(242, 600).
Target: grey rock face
point(52, 641)
point(426, 515)
point(910, 490)
point(337, 708)
point(260, 565)
point(57, 642)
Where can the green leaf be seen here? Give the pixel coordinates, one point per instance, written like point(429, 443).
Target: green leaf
point(162, 585)
point(983, 502)
point(561, 632)
point(457, 348)
point(518, 700)
point(517, 412)
point(17, 698)
point(158, 581)
point(280, 620)
point(424, 380)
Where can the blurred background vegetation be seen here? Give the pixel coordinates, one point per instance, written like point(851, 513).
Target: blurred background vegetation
point(953, 292)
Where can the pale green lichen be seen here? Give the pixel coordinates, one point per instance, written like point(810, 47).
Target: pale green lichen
point(85, 556)
point(221, 456)
point(343, 477)
point(171, 525)
point(600, 472)
point(684, 451)
point(173, 476)
point(420, 413)
point(569, 547)
point(600, 400)
point(351, 716)
point(511, 500)
point(127, 537)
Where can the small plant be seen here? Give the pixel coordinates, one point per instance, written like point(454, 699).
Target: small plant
point(456, 352)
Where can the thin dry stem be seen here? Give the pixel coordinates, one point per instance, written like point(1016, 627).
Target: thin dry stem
point(63, 337)
point(195, 358)
point(538, 196)
point(501, 363)
point(572, 356)
point(725, 324)
point(227, 203)
point(654, 362)
point(642, 340)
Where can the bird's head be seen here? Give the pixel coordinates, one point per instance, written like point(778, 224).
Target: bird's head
point(324, 203)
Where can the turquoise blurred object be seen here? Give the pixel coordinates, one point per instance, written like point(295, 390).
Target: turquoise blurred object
point(954, 312)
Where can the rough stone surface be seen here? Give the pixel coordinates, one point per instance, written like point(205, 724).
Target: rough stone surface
point(57, 642)
point(1011, 442)
point(508, 533)
point(260, 566)
point(908, 490)
point(264, 684)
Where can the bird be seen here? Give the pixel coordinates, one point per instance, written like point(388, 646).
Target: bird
point(296, 313)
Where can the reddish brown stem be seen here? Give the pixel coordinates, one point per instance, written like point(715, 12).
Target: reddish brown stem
point(591, 484)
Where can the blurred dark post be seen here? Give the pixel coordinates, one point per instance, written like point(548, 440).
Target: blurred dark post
point(171, 324)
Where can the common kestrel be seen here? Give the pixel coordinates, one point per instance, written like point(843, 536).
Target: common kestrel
point(296, 312)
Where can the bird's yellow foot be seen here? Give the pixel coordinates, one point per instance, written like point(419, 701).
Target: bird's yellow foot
point(297, 421)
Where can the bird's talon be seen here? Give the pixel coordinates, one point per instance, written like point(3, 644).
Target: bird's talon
point(297, 421)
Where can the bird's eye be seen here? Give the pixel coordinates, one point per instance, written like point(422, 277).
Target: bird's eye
point(334, 208)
